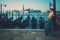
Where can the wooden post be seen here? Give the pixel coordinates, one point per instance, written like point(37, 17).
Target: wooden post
point(9, 13)
point(1, 8)
point(54, 11)
point(54, 17)
point(12, 15)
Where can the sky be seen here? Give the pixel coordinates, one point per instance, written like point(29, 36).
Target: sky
point(33, 4)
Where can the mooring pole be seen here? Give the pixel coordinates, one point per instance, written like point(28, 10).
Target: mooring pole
point(1, 8)
point(54, 11)
point(54, 17)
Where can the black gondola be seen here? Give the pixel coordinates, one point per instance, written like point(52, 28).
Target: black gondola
point(25, 23)
point(33, 23)
point(41, 23)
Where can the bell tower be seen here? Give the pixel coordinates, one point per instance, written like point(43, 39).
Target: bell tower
point(23, 8)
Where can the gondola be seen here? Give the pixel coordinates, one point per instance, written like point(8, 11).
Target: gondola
point(33, 23)
point(41, 23)
point(25, 23)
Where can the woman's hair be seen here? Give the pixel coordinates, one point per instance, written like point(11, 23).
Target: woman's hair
point(51, 9)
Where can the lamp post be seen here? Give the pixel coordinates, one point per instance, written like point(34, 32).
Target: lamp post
point(2, 6)
point(2, 10)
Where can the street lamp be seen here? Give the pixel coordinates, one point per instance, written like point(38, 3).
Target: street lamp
point(2, 6)
point(2, 10)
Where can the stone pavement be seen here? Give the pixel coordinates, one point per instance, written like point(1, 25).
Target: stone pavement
point(25, 35)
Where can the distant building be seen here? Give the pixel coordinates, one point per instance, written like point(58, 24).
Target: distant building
point(37, 11)
point(32, 10)
point(16, 10)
